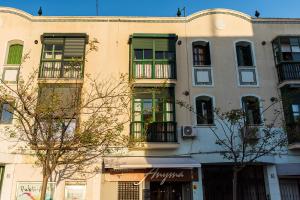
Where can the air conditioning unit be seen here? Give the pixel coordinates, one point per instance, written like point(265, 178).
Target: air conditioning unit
point(188, 132)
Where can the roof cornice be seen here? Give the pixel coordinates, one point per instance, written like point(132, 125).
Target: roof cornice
point(135, 19)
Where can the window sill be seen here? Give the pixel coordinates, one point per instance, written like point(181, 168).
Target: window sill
point(155, 145)
point(6, 124)
point(248, 86)
point(12, 65)
point(205, 126)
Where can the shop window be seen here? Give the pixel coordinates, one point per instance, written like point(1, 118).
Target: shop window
point(252, 110)
point(245, 63)
point(204, 110)
point(202, 63)
point(128, 191)
point(6, 113)
point(75, 191)
point(14, 56)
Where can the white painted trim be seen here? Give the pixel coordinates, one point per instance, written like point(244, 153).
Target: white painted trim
point(253, 60)
point(194, 117)
point(190, 44)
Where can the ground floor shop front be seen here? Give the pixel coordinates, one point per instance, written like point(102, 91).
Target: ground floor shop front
point(161, 178)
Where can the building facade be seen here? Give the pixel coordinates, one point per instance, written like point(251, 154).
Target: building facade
point(211, 59)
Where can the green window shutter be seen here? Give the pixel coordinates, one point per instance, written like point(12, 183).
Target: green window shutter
point(142, 43)
point(15, 54)
point(165, 44)
point(53, 40)
point(74, 47)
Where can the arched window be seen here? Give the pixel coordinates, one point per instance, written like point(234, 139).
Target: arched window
point(204, 110)
point(201, 54)
point(244, 53)
point(202, 63)
point(14, 56)
point(252, 110)
point(245, 63)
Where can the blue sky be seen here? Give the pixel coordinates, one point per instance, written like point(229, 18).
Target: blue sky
point(267, 8)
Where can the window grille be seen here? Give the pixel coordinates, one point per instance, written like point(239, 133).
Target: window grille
point(128, 191)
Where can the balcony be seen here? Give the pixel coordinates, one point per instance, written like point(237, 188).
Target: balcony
point(154, 70)
point(59, 69)
point(293, 136)
point(288, 72)
point(157, 132)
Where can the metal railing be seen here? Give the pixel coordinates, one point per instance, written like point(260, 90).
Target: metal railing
point(288, 71)
point(61, 69)
point(293, 130)
point(154, 132)
point(154, 70)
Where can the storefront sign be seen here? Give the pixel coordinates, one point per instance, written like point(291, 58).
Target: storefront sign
point(32, 191)
point(163, 176)
point(154, 174)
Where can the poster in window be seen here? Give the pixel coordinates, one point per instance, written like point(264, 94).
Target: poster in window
point(32, 191)
point(75, 192)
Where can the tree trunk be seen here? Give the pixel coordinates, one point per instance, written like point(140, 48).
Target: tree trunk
point(44, 186)
point(234, 183)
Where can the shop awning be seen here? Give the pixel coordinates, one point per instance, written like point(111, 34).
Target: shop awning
point(150, 162)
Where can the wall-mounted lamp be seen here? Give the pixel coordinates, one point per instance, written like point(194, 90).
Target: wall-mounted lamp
point(186, 93)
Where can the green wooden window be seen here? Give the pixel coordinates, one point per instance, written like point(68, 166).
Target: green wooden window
point(154, 58)
point(15, 54)
point(62, 57)
point(153, 105)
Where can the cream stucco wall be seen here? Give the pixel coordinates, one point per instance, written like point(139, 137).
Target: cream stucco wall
point(220, 27)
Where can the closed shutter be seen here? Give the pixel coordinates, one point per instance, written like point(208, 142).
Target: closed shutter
point(62, 100)
point(142, 43)
point(289, 189)
point(74, 47)
point(15, 54)
point(53, 40)
point(164, 44)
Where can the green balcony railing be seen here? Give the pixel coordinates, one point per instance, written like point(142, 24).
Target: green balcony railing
point(293, 130)
point(154, 69)
point(288, 71)
point(154, 132)
point(59, 69)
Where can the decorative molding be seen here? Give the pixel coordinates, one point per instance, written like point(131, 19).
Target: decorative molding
point(132, 19)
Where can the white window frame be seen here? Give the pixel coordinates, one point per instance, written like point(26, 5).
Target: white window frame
point(195, 115)
point(208, 68)
point(7, 69)
point(246, 68)
point(260, 106)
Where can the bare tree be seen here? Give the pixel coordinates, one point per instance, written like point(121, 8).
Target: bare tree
point(242, 142)
point(66, 127)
